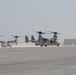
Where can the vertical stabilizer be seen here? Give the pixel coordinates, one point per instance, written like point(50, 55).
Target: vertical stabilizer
point(32, 39)
point(26, 39)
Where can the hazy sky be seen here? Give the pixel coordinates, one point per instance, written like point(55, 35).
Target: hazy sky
point(19, 17)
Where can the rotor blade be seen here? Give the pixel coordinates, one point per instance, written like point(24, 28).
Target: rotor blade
point(37, 31)
point(54, 32)
point(16, 36)
point(40, 32)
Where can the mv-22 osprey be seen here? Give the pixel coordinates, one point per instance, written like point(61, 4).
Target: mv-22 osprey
point(43, 41)
point(8, 43)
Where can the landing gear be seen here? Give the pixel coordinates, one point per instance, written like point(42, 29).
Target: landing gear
point(58, 45)
point(10, 46)
point(35, 43)
point(41, 45)
point(45, 45)
point(3, 46)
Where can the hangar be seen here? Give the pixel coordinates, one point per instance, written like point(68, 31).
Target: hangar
point(69, 41)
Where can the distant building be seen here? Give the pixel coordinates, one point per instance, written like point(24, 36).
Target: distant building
point(69, 41)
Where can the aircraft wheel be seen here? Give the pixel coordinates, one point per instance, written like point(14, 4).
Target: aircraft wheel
point(10, 46)
point(45, 45)
point(2, 46)
point(41, 45)
point(58, 45)
point(35, 44)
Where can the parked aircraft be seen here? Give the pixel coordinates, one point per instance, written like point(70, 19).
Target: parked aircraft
point(8, 43)
point(43, 41)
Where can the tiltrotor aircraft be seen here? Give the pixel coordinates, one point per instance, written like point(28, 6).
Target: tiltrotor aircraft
point(8, 43)
point(43, 41)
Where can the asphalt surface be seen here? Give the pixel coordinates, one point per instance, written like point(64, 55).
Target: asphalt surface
point(38, 61)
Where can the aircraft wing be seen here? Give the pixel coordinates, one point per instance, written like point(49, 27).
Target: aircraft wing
point(13, 41)
point(44, 39)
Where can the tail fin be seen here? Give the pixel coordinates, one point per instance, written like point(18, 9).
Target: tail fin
point(26, 39)
point(32, 39)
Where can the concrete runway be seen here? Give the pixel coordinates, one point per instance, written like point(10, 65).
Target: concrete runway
point(38, 61)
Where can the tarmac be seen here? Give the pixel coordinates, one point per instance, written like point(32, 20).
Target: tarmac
point(38, 60)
